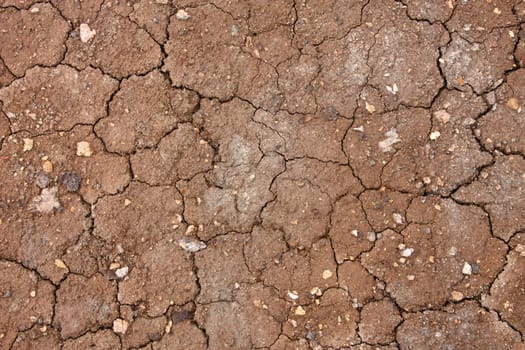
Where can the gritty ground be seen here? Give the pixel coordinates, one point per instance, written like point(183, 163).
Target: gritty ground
point(284, 174)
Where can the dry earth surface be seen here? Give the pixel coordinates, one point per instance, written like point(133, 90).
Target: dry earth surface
point(284, 174)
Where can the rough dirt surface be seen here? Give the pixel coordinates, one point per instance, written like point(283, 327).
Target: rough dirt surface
point(278, 175)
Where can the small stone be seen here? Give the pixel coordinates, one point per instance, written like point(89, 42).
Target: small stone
point(452, 251)
point(234, 30)
point(47, 166)
point(114, 266)
point(86, 33)
point(32, 293)
point(316, 291)
point(407, 252)
point(71, 181)
point(293, 295)
point(42, 181)
point(46, 202)
point(475, 268)
point(60, 264)
point(457, 296)
point(411, 277)
point(34, 10)
point(398, 218)
point(327, 274)
point(371, 236)
point(392, 89)
point(127, 202)
point(434, 135)
point(182, 15)
point(84, 149)
point(427, 180)
point(122, 272)
point(355, 233)
point(442, 115)
point(191, 245)
point(467, 269)
point(370, 108)
point(300, 311)
point(120, 326)
point(392, 138)
point(28, 145)
point(513, 103)
point(496, 11)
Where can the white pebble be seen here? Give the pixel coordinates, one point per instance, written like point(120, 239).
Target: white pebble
point(84, 149)
point(120, 326)
point(434, 135)
point(398, 218)
point(122, 272)
point(293, 295)
point(407, 252)
point(191, 245)
point(86, 33)
point(467, 269)
point(327, 274)
point(182, 15)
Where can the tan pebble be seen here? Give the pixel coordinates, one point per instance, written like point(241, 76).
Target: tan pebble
point(316, 291)
point(497, 11)
point(114, 266)
point(60, 264)
point(32, 294)
point(327, 274)
point(411, 277)
point(84, 149)
point(47, 166)
point(127, 202)
point(370, 108)
point(120, 326)
point(442, 115)
point(457, 296)
point(513, 103)
point(167, 329)
point(300, 311)
point(28, 145)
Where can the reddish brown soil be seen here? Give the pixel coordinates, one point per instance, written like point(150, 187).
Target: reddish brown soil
point(256, 174)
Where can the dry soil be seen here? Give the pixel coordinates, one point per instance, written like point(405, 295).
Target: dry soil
point(262, 174)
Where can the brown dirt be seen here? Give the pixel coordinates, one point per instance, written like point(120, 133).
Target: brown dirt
point(288, 174)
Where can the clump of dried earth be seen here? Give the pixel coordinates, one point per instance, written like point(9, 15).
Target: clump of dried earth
point(287, 174)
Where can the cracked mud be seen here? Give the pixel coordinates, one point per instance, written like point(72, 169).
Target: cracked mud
point(288, 174)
